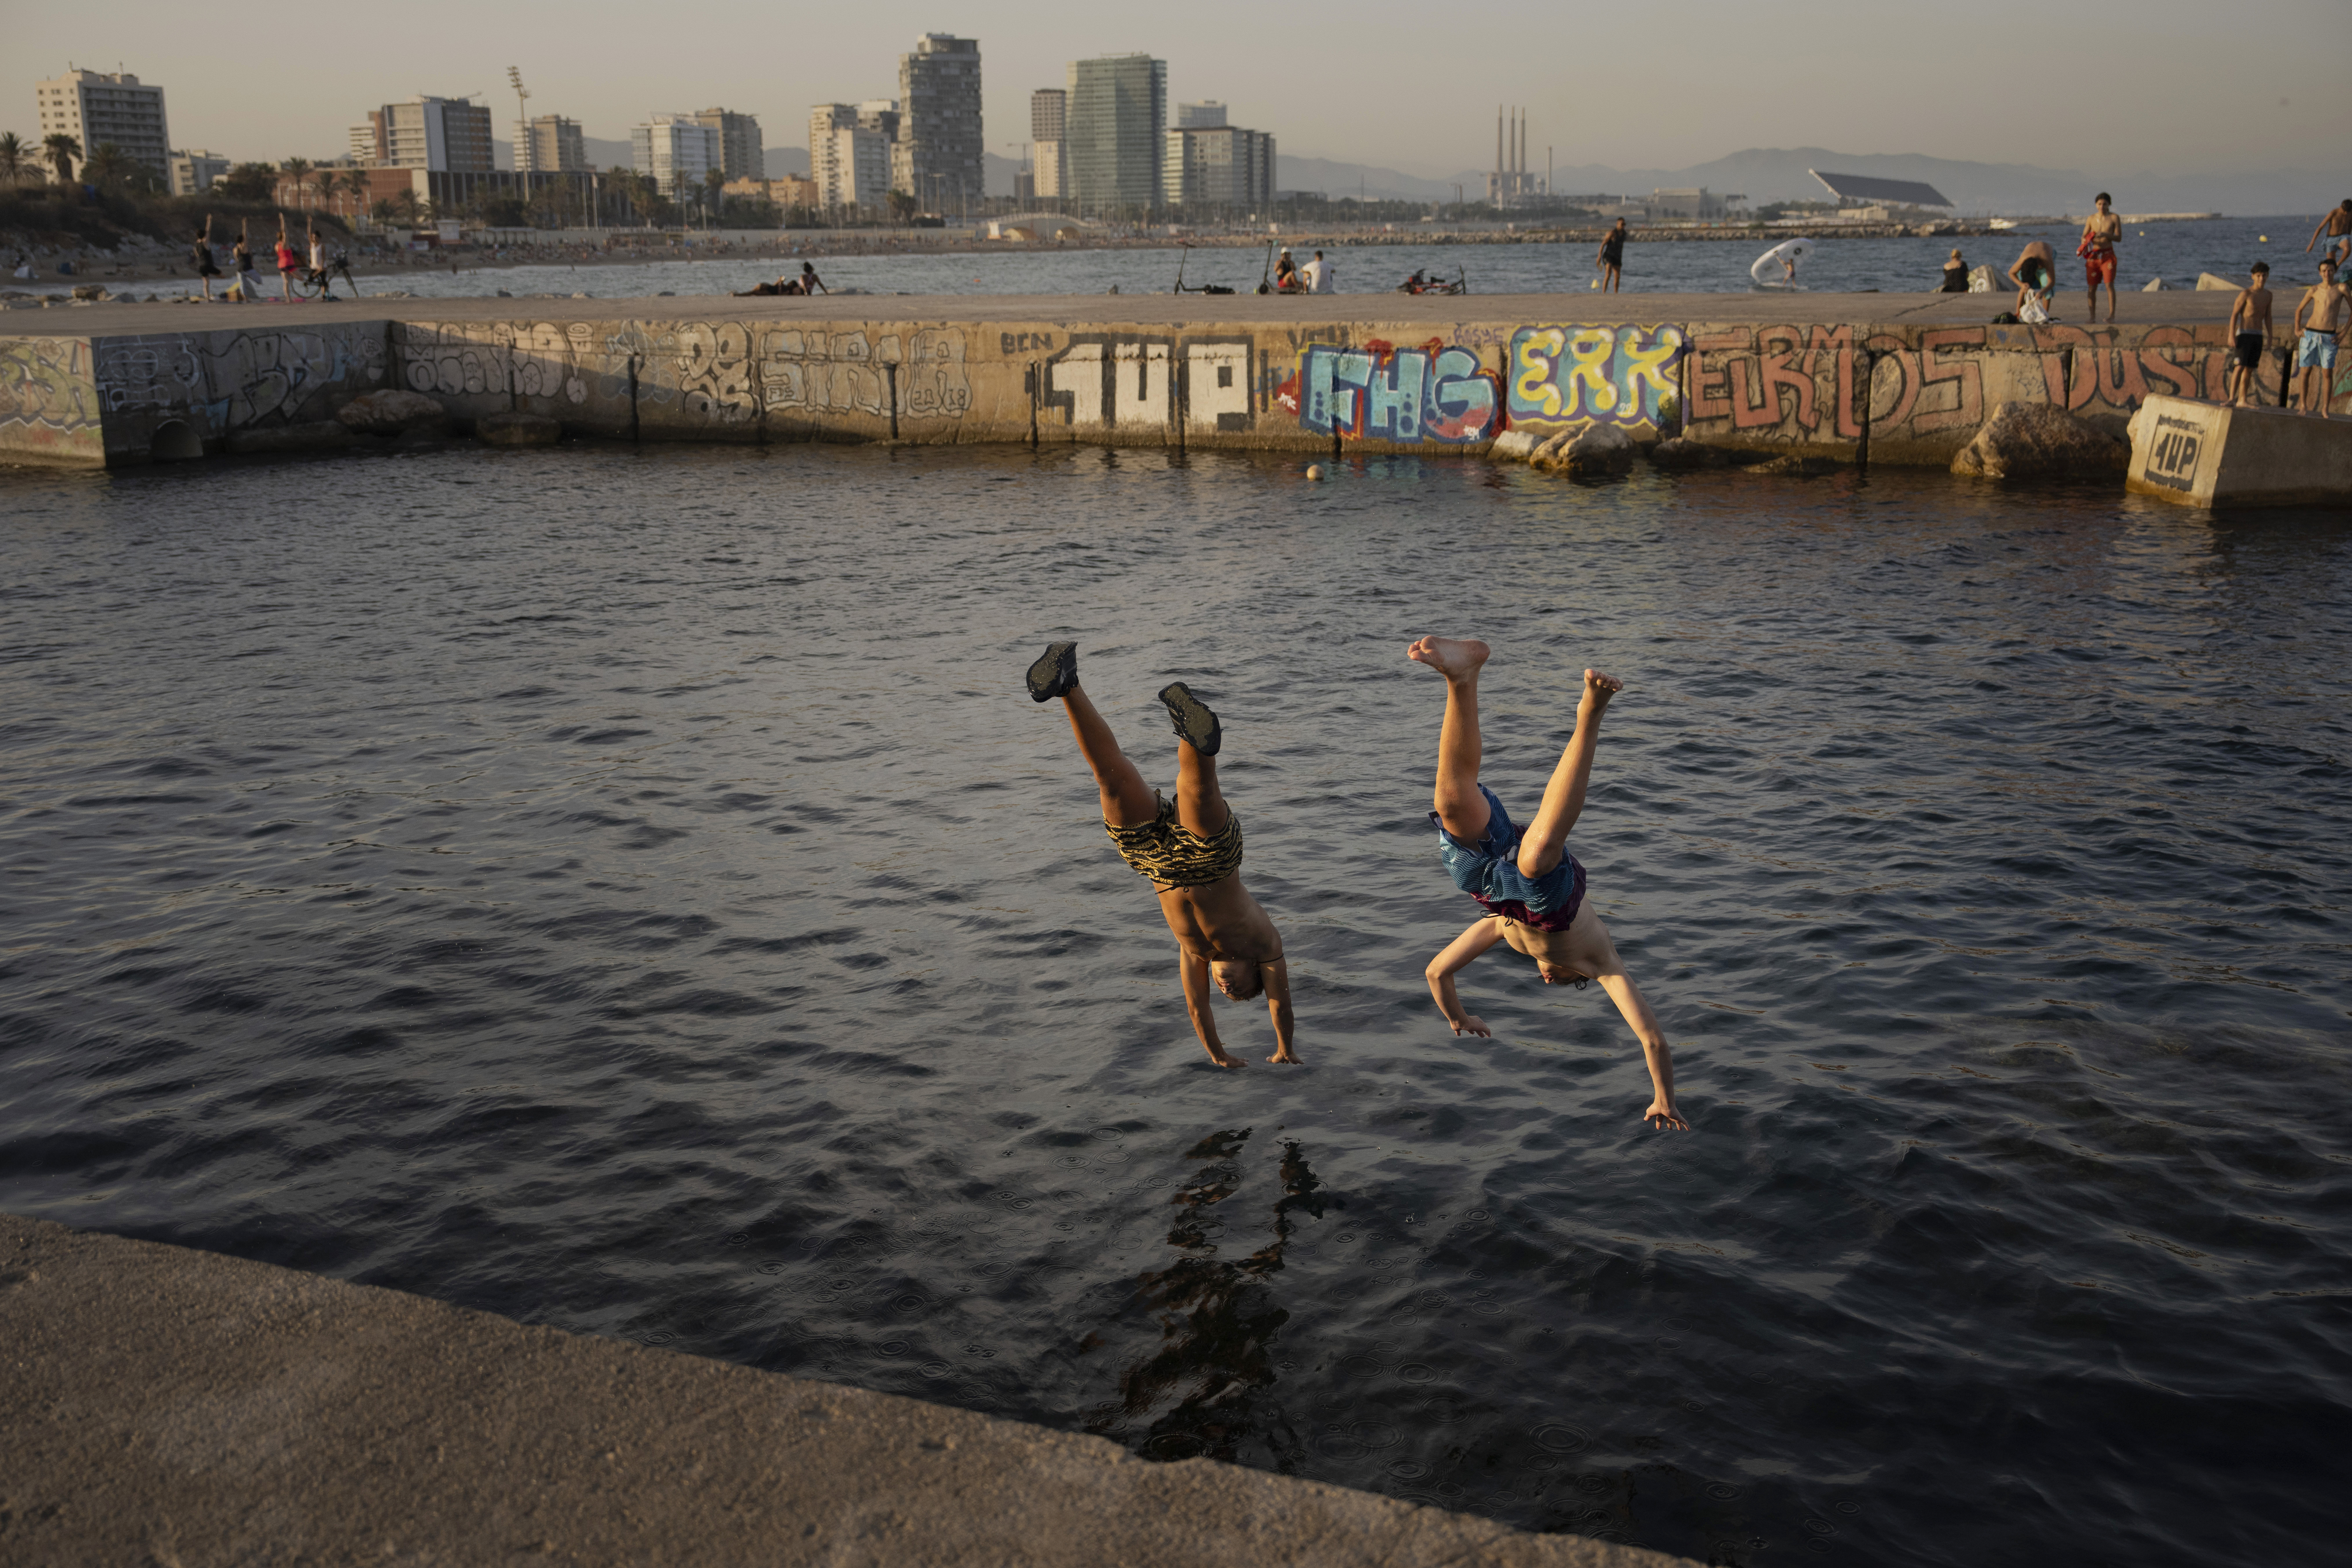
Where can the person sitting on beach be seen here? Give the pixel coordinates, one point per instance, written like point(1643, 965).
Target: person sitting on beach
point(2035, 272)
point(1191, 848)
point(1611, 258)
point(2330, 314)
point(768, 290)
point(200, 252)
point(1956, 275)
point(1531, 889)
point(810, 282)
point(2097, 249)
point(2337, 226)
point(2249, 328)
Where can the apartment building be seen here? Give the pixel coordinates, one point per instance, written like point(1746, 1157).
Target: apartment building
point(193, 171)
point(740, 157)
point(551, 144)
point(937, 157)
point(1049, 110)
point(99, 109)
point(1117, 125)
point(1210, 166)
point(442, 134)
point(677, 150)
point(850, 147)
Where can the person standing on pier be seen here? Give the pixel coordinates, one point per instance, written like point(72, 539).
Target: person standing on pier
point(2330, 315)
point(1531, 890)
point(1611, 258)
point(2249, 328)
point(1190, 849)
point(2337, 226)
point(289, 262)
point(200, 252)
point(249, 283)
point(2097, 249)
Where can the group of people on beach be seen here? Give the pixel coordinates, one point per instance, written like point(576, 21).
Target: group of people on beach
point(1531, 891)
point(317, 271)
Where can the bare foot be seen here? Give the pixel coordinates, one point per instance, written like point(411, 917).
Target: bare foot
point(1599, 688)
point(1282, 1057)
point(1456, 658)
point(1224, 1059)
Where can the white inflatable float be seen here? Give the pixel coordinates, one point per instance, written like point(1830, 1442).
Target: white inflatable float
point(1776, 269)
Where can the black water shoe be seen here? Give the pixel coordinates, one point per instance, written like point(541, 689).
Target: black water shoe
point(1055, 673)
point(1195, 722)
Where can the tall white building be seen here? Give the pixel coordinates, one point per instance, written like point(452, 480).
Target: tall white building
point(1210, 165)
point(677, 150)
point(195, 171)
point(442, 134)
point(1117, 128)
point(97, 109)
point(850, 147)
point(1049, 120)
point(937, 159)
point(550, 144)
point(739, 152)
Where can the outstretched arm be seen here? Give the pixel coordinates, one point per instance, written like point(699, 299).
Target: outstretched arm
point(1278, 1007)
point(1661, 1059)
point(1482, 934)
point(1198, 989)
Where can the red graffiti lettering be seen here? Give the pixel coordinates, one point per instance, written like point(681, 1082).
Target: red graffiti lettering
point(1906, 368)
point(1847, 424)
point(1710, 396)
point(1967, 376)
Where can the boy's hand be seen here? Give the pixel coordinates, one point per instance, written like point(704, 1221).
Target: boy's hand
point(1664, 1114)
point(1470, 1023)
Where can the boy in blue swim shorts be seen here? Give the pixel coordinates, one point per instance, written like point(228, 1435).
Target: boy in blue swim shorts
point(1530, 889)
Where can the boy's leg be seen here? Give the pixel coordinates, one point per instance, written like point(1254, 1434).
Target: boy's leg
point(1461, 807)
point(1545, 842)
point(1126, 801)
point(1200, 805)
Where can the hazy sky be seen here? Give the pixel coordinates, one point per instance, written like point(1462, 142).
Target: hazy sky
point(2185, 86)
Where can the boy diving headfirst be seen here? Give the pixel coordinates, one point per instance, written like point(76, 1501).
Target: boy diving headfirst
point(1191, 848)
point(1531, 888)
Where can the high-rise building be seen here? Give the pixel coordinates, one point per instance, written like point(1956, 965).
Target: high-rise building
point(1118, 118)
point(193, 171)
point(446, 134)
point(1210, 165)
point(100, 109)
point(551, 144)
point(677, 150)
point(1048, 123)
point(937, 159)
point(849, 152)
point(739, 154)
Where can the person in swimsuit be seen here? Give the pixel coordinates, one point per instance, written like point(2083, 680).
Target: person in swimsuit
point(248, 285)
point(1190, 849)
point(2337, 226)
point(1531, 889)
point(1611, 259)
point(810, 284)
point(2249, 328)
point(289, 262)
point(1286, 274)
point(2035, 272)
point(2097, 249)
point(2314, 351)
point(200, 252)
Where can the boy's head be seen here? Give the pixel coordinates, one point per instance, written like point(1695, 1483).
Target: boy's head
point(2104, 200)
point(2327, 271)
point(2262, 271)
point(1240, 978)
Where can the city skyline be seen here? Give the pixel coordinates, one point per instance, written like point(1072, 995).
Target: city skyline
point(1735, 82)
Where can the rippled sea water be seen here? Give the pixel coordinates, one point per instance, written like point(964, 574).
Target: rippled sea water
point(630, 890)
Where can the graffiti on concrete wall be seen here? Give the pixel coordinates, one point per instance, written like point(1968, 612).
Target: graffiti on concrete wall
point(1589, 375)
point(226, 381)
point(1107, 381)
point(816, 372)
point(1435, 393)
point(48, 398)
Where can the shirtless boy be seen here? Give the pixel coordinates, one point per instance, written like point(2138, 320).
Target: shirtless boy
point(2100, 232)
point(2337, 226)
point(2249, 328)
point(1531, 888)
point(1191, 849)
point(2035, 272)
point(2328, 312)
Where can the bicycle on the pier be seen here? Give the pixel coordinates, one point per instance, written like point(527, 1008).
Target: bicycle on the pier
point(318, 282)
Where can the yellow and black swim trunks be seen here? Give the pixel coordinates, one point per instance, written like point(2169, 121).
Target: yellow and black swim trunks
point(1172, 855)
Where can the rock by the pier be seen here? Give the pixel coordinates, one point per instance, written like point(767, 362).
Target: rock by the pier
point(1682, 452)
point(90, 292)
point(2034, 441)
point(2152, 285)
point(391, 412)
point(1801, 467)
point(1987, 280)
point(2209, 280)
point(1516, 446)
point(314, 436)
point(517, 429)
point(1595, 449)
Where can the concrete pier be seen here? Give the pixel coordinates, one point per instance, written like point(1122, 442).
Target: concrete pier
point(2215, 455)
point(166, 1406)
point(1897, 379)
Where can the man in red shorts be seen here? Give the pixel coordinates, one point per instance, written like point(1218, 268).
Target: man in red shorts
point(2098, 253)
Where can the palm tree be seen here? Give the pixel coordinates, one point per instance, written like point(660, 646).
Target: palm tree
point(356, 185)
point(299, 171)
point(62, 150)
point(107, 166)
point(12, 157)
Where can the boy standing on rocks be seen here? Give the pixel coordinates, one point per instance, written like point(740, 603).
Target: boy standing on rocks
point(1190, 848)
point(2314, 351)
point(1531, 888)
point(2249, 328)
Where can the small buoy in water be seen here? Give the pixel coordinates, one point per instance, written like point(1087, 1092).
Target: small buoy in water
point(2264, 239)
point(1314, 470)
point(1596, 283)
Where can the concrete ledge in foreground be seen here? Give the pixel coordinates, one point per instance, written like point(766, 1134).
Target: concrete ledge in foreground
point(162, 1405)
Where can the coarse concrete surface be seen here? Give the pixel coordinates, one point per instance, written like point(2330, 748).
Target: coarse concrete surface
point(2221, 455)
point(166, 1406)
point(2185, 308)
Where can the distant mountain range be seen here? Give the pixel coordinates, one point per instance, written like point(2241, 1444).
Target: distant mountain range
point(1761, 174)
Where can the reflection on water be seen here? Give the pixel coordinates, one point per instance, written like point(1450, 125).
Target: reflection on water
point(630, 890)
